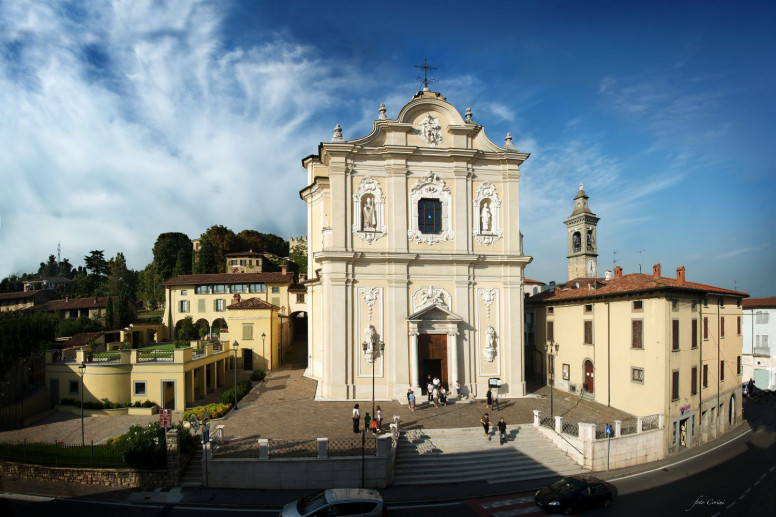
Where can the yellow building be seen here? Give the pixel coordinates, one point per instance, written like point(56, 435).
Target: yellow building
point(173, 379)
point(22, 300)
point(251, 308)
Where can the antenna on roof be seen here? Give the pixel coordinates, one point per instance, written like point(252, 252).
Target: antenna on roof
point(59, 252)
point(640, 252)
point(614, 259)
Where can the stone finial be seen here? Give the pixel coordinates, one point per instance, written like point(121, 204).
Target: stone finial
point(337, 136)
point(580, 186)
point(508, 145)
point(382, 112)
point(469, 116)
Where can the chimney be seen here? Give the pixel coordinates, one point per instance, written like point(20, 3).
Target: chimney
point(607, 275)
point(656, 270)
point(67, 298)
point(680, 274)
point(284, 268)
point(236, 297)
point(618, 272)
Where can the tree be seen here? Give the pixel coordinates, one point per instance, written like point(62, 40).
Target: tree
point(24, 335)
point(96, 263)
point(298, 255)
point(50, 268)
point(65, 268)
point(259, 242)
point(110, 318)
point(187, 331)
point(223, 241)
point(149, 287)
point(206, 258)
point(172, 255)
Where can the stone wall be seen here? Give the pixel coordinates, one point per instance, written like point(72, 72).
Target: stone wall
point(86, 476)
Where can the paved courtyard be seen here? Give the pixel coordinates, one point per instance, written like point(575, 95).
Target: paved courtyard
point(284, 407)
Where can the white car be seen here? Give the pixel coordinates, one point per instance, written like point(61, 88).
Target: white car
point(337, 501)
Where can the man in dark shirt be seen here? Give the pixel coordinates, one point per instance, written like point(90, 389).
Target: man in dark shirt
point(502, 431)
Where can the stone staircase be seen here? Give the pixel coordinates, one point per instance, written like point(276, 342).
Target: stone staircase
point(425, 455)
point(192, 476)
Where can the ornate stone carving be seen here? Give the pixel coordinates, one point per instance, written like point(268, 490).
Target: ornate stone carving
point(486, 225)
point(370, 295)
point(431, 296)
point(431, 131)
point(488, 295)
point(490, 344)
point(431, 186)
point(337, 136)
point(372, 346)
point(369, 211)
point(382, 111)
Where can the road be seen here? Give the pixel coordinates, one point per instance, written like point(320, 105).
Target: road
point(737, 477)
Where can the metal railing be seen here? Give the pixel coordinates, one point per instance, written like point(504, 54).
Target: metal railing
point(155, 356)
point(571, 428)
point(548, 422)
point(293, 448)
point(629, 426)
point(111, 356)
point(650, 422)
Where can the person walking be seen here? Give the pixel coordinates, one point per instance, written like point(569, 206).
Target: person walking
point(356, 418)
point(378, 419)
point(489, 398)
point(502, 431)
point(494, 403)
point(485, 421)
point(411, 398)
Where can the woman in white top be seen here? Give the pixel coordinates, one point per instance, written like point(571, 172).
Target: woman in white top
point(356, 418)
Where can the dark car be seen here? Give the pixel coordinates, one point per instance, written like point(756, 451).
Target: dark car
point(575, 493)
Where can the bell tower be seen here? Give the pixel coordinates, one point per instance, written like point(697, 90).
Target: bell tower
point(582, 241)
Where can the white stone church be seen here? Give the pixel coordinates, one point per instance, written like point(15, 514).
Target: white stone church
point(415, 257)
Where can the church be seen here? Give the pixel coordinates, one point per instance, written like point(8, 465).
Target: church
point(415, 257)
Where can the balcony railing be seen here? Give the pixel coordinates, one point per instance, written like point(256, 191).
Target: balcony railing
point(762, 350)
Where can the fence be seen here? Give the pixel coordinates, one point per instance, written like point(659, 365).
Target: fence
point(336, 447)
point(352, 446)
point(547, 422)
point(155, 356)
point(62, 455)
point(629, 426)
point(111, 356)
point(571, 428)
point(650, 422)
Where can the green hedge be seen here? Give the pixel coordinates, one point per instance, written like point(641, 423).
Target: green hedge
point(243, 388)
point(258, 375)
point(105, 404)
point(214, 410)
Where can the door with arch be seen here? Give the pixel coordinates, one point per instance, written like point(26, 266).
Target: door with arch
point(589, 377)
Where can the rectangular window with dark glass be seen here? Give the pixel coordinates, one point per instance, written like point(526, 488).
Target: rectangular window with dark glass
point(722, 370)
point(738, 365)
point(705, 375)
point(738, 325)
point(550, 331)
point(430, 215)
point(694, 343)
point(675, 334)
point(705, 328)
point(637, 334)
point(694, 379)
point(588, 332)
point(675, 385)
point(637, 375)
point(722, 327)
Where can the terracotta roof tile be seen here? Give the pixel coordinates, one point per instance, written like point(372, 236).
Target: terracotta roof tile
point(625, 285)
point(252, 303)
point(760, 302)
point(231, 278)
point(529, 281)
point(98, 302)
point(19, 295)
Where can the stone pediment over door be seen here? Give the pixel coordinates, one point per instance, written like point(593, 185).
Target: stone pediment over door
point(434, 313)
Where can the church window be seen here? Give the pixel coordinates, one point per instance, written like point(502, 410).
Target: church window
point(429, 215)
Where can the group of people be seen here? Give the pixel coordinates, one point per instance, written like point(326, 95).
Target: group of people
point(436, 391)
point(501, 425)
point(491, 399)
point(375, 423)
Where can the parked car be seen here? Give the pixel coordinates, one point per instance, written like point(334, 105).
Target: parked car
point(574, 493)
point(337, 501)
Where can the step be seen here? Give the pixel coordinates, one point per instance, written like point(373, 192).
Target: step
point(192, 476)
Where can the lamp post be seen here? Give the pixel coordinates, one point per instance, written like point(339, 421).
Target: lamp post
point(235, 346)
point(264, 351)
point(82, 371)
point(552, 352)
point(373, 350)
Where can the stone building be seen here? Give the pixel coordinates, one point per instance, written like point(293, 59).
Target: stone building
point(415, 256)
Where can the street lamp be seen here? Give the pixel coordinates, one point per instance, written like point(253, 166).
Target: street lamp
point(372, 350)
point(552, 352)
point(235, 346)
point(82, 371)
point(263, 351)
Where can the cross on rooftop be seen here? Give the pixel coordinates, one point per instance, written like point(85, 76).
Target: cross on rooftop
point(425, 80)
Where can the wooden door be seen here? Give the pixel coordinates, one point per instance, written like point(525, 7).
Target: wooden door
point(589, 381)
point(432, 352)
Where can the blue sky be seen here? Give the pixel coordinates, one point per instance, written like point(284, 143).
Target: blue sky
point(123, 120)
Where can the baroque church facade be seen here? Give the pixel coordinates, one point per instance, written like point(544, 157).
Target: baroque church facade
point(415, 258)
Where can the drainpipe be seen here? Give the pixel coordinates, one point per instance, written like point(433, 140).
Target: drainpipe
point(700, 372)
point(608, 356)
point(719, 358)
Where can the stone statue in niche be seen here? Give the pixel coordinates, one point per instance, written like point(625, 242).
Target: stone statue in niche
point(486, 217)
point(369, 221)
point(490, 344)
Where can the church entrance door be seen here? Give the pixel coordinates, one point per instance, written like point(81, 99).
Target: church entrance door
point(432, 352)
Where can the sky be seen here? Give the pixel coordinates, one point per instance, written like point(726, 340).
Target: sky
point(123, 120)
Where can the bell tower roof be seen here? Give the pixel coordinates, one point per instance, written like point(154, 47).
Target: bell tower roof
point(580, 203)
